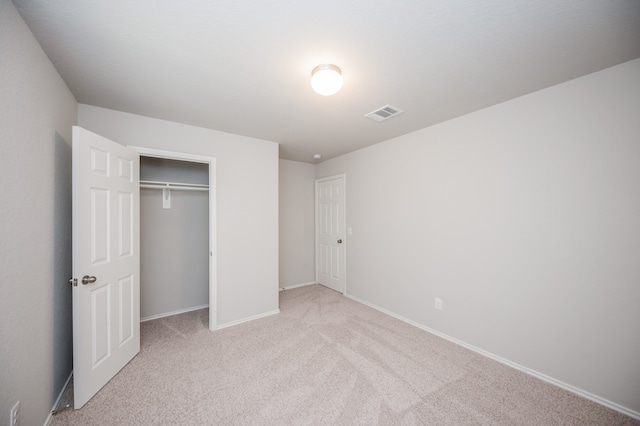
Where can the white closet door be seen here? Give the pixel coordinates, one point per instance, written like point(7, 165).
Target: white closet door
point(106, 261)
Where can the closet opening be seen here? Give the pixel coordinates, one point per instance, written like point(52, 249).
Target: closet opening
point(177, 234)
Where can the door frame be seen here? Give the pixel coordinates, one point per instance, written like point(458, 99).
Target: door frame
point(342, 176)
point(213, 253)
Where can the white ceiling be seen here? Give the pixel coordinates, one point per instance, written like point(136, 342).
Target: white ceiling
point(244, 66)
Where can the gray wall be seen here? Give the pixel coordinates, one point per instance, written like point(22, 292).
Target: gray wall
point(297, 186)
point(524, 219)
point(37, 111)
point(174, 243)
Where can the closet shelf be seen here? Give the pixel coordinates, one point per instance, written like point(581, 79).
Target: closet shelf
point(152, 184)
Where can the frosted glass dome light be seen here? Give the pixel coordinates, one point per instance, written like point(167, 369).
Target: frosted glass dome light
point(326, 79)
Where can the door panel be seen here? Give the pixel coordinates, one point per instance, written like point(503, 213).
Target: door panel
point(125, 223)
point(99, 226)
point(100, 343)
point(106, 242)
point(330, 233)
point(127, 325)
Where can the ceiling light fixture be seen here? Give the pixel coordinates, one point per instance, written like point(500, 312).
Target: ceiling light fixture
point(326, 79)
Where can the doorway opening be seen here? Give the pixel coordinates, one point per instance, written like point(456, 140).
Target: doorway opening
point(177, 254)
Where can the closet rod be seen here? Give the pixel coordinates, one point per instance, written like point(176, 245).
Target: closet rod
point(173, 185)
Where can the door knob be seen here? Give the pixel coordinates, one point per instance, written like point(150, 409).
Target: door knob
point(339, 241)
point(88, 280)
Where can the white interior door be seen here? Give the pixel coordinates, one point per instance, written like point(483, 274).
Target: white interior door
point(106, 243)
point(330, 233)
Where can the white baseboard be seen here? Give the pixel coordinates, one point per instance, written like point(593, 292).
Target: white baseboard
point(168, 314)
point(289, 287)
point(55, 404)
point(624, 410)
point(240, 321)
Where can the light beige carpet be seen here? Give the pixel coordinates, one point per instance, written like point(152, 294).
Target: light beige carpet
point(323, 360)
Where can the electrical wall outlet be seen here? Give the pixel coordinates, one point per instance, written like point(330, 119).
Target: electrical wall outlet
point(14, 418)
point(438, 305)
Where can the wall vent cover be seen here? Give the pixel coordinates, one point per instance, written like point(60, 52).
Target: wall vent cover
point(384, 113)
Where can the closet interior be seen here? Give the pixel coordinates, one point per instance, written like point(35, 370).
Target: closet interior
point(174, 236)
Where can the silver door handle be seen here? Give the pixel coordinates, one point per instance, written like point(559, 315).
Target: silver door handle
point(339, 241)
point(88, 280)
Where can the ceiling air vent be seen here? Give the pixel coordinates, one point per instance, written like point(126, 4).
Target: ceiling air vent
point(383, 113)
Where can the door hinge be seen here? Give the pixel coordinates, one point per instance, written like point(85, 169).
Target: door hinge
point(73, 282)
